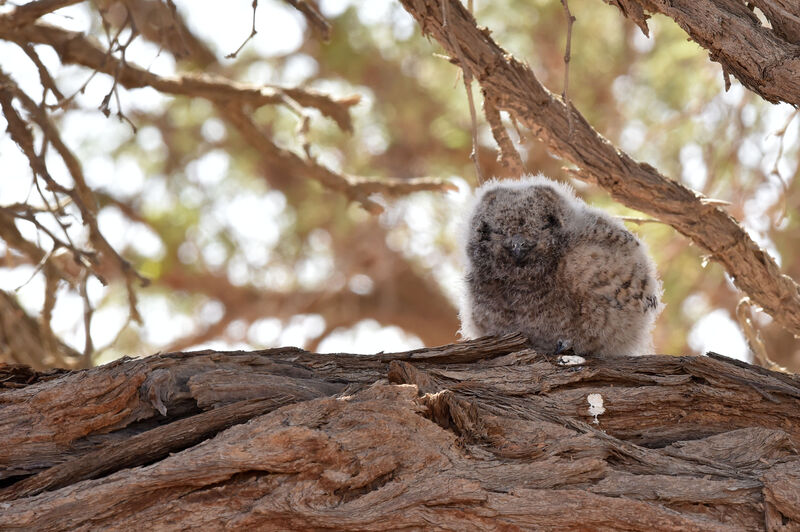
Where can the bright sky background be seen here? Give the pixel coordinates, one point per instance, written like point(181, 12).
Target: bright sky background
point(280, 30)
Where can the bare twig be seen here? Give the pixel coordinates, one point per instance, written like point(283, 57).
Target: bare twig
point(567, 57)
point(303, 126)
point(253, 33)
point(781, 134)
point(468, 86)
point(640, 221)
point(66, 102)
point(38, 268)
point(88, 311)
point(81, 194)
point(508, 155)
point(74, 48)
point(29, 12)
point(753, 336)
point(14, 239)
point(49, 339)
point(122, 48)
point(44, 75)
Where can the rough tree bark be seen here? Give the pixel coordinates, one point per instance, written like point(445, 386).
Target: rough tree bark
point(477, 435)
point(764, 58)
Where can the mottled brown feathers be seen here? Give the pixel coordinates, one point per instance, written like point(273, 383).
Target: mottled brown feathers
point(542, 262)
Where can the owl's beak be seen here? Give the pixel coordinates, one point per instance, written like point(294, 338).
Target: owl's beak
point(518, 247)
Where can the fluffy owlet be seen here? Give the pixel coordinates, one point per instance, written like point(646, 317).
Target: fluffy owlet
point(541, 262)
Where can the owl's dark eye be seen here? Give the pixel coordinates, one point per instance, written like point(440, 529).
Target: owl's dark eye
point(484, 232)
point(551, 222)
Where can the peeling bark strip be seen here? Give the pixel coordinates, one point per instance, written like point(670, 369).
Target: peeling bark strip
point(478, 435)
point(513, 87)
point(765, 60)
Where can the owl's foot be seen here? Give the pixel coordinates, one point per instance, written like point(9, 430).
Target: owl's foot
point(561, 346)
point(566, 355)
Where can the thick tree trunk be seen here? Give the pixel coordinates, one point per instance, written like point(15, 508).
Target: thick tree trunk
point(478, 435)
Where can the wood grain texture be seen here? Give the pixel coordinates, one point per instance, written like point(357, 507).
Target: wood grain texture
point(479, 435)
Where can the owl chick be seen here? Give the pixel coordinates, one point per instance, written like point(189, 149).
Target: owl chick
point(542, 262)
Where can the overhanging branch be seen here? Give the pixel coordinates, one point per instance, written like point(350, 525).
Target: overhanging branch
point(765, 60)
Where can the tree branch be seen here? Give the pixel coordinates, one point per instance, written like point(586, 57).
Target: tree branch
point(27, 13)
point(764, 60)
point(319, 24)
point(74, 47)
point(159, 22)
point(81, 194)
point(507, 154)
point(474, 435)
point(355, 188)
point(24, 341)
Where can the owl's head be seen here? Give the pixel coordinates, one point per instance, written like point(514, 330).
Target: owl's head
point(521, 224)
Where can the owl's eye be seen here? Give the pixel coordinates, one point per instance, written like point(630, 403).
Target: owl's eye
point(484, 231)
point(551, 222)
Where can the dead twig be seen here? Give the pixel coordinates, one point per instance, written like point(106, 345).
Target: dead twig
point(507, 153)
point(253, 33)
point(567, 57)
point(775, 171)
point(81, 194)
point(115, 45)
point(88, 311)
point(467, 75)
point(25, 14)
point(74, 48)
point(639, 221)
point(45, 78)
point(356, 188)
point(753, 336)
